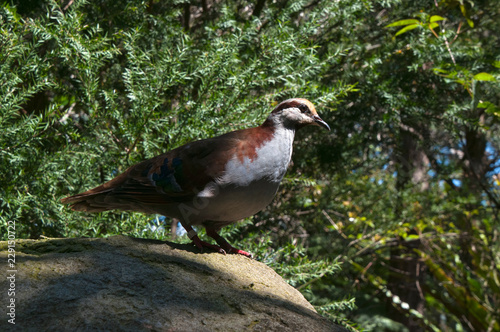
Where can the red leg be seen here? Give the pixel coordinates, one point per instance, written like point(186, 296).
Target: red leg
point(199, 243)
point(224, 244)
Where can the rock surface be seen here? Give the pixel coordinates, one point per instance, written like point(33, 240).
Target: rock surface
point(126, 284)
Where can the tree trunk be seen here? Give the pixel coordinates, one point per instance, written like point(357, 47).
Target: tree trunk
point(406, 270)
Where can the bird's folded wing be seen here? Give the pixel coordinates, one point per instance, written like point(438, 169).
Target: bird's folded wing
point(175, 176)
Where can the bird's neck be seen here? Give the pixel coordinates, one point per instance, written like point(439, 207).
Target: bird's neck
point(277, 122)
point(281, 142)
point(280, 131)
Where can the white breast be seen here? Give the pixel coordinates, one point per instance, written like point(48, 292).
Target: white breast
point(248, 185)
point(271, 163)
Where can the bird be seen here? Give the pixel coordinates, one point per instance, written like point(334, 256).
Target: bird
point(212, 182)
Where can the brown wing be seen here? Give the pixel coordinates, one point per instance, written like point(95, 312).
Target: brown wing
point(173, 177)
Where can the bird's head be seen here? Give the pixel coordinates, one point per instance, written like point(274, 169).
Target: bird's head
point(297, 113)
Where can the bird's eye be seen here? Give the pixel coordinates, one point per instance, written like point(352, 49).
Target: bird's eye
point(304, 109)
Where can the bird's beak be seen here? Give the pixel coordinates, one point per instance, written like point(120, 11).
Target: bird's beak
point(319, 122)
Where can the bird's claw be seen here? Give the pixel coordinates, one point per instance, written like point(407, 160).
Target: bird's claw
point(227, 248)
point(203, 244)
point(234, 250)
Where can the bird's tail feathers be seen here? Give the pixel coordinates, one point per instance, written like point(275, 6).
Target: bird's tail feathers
point(89, 201)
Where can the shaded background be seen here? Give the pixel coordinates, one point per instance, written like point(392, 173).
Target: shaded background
point(389, 222)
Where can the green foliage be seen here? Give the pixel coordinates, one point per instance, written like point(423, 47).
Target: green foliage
point(84, 100)
point(404, 192)
point(415, 213)
point(93, 88)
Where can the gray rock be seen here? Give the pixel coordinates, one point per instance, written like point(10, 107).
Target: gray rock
point(126, 284)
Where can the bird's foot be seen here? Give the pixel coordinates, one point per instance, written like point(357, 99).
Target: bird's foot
point(203, 244)
point(223, 247)
point(232, 250)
